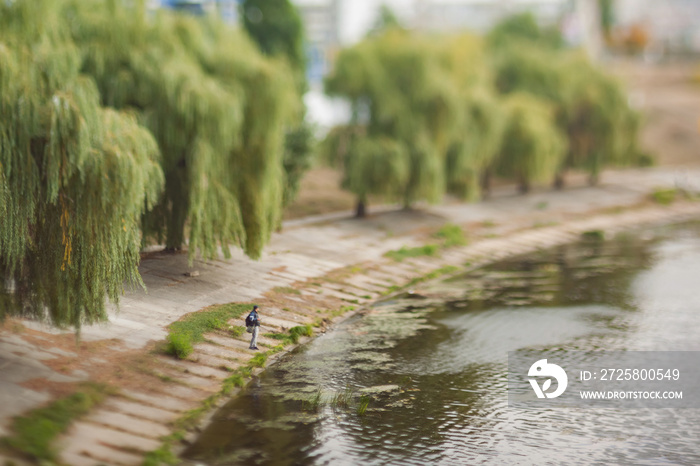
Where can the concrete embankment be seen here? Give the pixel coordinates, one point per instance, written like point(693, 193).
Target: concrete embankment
point(309, 273)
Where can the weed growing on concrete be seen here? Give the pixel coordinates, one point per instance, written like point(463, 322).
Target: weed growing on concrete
point(191, 329)
point(286, 290)
point(664, 196)
point(179, 345)
point(452, 235)
point(258, 360)
point(292, 337)
point(236, 330)
point(593, 235)
point(35, 432)
point(404, 253)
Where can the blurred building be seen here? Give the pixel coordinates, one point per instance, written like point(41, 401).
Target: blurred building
point(671, 25)
point(321, 24)
point(227, 9)
point(579, 20)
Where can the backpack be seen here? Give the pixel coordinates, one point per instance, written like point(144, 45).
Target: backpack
point(251, 319)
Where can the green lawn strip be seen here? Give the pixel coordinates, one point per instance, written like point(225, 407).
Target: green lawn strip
point(292, 337)
point(664, 196)
point(191, 329)
point(404, 253)
point(164, 454)
point(35, 432)
point(451, 235)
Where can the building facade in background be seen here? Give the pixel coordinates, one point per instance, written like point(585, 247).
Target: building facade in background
point(671, 25)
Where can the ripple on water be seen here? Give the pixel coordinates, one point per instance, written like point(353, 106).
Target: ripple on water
point(446, 365)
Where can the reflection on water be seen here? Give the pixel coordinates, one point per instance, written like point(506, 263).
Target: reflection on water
point(434, 368)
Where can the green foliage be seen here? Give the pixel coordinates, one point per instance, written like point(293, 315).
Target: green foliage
point(75, 177)
point(314, 401)
point(298, 158)
point(405, 253)
point(664, 196)
point(591, 107)
point(593, 235)
point(131, 127)
point(179, 345)
point(452, 235)
point(275, 25)
point(607, 18)
point(237, 330)
point(363, 404)
point(184, 333)
point(475, 148)
point(523, 27)
point(532, 148)
point(218, 109)
point(258, 360)
point(160, 456)
point(300, 331)
point(292, 337)
point(375, 166)
point(35, 432)
point(286, 290)
point(407, 107)
point(445, 103)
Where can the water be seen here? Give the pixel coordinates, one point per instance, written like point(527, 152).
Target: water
point(433, 365)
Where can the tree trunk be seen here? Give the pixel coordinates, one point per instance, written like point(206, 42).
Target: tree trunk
point(559, 181)
point(486, 183)
point(524, 187)
point(361, 211)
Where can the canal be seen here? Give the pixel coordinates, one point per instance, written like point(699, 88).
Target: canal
point(421, 378)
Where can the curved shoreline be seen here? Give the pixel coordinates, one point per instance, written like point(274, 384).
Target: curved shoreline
point(309, 274)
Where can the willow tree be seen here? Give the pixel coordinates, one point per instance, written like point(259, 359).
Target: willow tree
point(75, 177)
point(218, 109)
point(374, 165)
point(590, 106)
point(276, 27)
point(532, 148)
point(399, 90)
point(471, 157)
point(601, 127)
point(480, 119)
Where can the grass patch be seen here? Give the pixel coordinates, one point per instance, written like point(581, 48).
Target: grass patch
point(593, 235)
point(191, 329)
point(664, 196)
point(35, 432)
point(452, 235)
point(404, 253)
point(292, 337)
point(258, 360)
point(237, 330)
point(286, 290)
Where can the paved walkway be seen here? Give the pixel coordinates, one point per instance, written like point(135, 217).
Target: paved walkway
point(35, 361)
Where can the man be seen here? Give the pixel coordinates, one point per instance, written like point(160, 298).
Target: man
point(253, 320)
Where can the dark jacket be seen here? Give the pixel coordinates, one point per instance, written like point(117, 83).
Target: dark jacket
point(256, 318)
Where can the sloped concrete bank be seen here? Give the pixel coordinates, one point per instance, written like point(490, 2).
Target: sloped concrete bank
point(310, 275)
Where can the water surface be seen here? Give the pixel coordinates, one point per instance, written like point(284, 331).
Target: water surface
point(433, 366)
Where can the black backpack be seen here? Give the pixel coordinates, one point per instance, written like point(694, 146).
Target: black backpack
point(250, 320)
